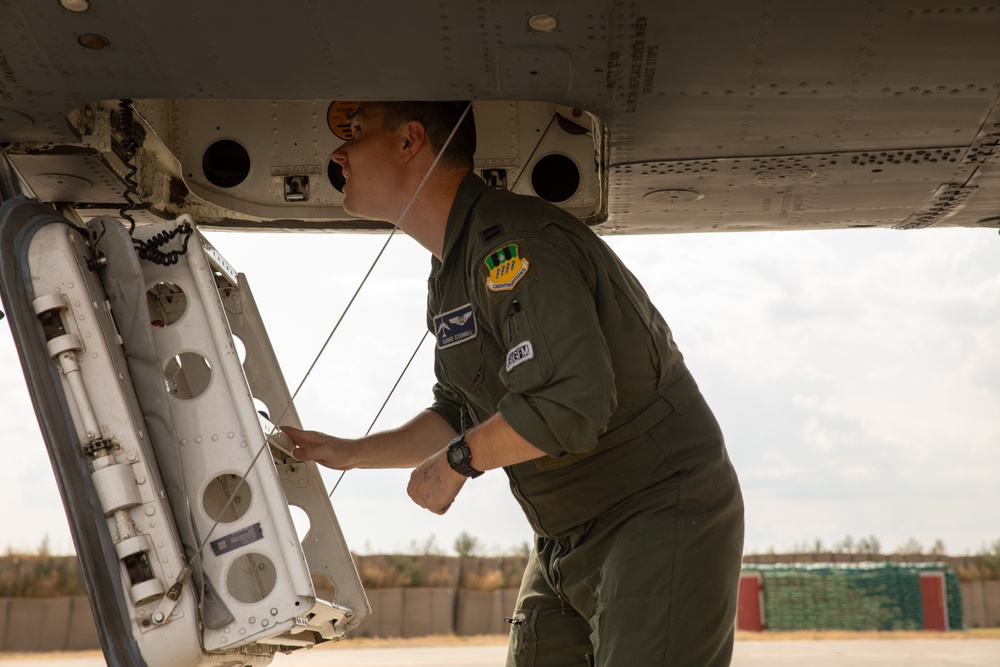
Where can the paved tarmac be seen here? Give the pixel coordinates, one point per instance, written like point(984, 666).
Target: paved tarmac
point(772, 653)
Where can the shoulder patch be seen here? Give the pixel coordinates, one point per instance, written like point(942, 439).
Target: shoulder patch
point(519, 354)
point(505, 268)
point(455, 327)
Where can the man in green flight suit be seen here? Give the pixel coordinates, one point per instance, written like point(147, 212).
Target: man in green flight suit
point(552, 363)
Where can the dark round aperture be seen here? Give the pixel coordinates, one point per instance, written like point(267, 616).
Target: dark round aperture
point(226, 163)
point(555, 178)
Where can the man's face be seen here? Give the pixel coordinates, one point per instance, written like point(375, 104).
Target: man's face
point(369, 165)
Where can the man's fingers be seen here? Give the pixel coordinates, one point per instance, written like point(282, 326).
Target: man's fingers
point(302, 437)
point(302, 454)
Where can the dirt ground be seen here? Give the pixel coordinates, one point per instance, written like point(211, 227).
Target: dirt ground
point(495, 640)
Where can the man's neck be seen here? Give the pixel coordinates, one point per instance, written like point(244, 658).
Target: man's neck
point(427, 217)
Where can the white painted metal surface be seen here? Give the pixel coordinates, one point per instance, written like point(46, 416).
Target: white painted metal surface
point(238, 488)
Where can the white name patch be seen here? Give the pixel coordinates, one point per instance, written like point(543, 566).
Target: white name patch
point(519, 355)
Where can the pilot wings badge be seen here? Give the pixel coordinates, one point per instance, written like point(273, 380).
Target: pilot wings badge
point(454, 327)
point(506, 268)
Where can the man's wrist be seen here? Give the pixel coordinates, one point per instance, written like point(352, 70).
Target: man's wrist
point(460, 458)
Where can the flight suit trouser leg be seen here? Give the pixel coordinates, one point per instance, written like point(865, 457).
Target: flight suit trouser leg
point(667, 592)
point(653, 583)
point(546, 631)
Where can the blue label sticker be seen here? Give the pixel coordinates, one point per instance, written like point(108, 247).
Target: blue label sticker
point(240, 538)
point(455, 326)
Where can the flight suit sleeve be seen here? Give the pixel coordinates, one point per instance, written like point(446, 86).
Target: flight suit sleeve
point(537, 294)
point(447, 405)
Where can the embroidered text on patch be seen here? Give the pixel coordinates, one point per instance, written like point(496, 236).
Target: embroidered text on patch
point(454, 327)
point(519, 355)
point(506, 268)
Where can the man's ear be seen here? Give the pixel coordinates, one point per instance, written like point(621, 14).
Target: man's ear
point(414, 138)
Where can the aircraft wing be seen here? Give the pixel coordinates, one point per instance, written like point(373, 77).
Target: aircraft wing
point(641, 117)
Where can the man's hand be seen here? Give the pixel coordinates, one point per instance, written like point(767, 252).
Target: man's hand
point(336, 453)
point(434, 485)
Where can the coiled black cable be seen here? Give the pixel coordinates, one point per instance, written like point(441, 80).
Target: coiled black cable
point(151, 249)
point(129, 146)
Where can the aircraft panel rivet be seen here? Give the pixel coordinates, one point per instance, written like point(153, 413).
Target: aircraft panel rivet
point(274, 611)
point(94, 41)
point(543, 23)
point(75, 5)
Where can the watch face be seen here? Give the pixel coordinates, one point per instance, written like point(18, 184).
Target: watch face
point(455, 455)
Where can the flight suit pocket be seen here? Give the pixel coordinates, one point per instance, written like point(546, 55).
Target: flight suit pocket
point(521, 647)
point(527, 363)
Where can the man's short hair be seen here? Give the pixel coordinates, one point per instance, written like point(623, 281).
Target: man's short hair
point(439, 119)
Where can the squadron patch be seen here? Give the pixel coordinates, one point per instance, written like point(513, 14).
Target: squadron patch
point(455, 327)
point(519, 354)
point(506, 268)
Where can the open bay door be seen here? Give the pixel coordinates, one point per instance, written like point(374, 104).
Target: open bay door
point(177, 488)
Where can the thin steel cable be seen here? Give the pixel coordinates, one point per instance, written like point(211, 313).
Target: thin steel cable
point(533, 151)
point(385, 403)
point(409, 205)
point(264, 446)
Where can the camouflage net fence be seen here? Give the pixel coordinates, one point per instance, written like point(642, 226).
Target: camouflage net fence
point(855, 596)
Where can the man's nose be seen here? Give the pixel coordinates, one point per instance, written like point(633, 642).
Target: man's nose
point(340, 155)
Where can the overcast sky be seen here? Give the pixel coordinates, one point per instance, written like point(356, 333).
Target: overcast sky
point(856, 375)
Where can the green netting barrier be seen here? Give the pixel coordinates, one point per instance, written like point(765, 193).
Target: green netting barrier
point(851, 596)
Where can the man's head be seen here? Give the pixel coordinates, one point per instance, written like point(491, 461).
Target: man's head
point(392, 145)
point(439, 119)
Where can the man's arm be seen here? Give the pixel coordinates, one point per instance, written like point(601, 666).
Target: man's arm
point(493, 444)
point(403, 447)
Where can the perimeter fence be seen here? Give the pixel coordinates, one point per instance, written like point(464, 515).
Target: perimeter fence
point(413, 596)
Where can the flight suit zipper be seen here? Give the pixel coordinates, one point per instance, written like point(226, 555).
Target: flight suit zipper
point(516, 305)
point(528, 507)
point(557, 574)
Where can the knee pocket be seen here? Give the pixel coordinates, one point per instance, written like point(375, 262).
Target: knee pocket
point(550, 639)
point(521, 645)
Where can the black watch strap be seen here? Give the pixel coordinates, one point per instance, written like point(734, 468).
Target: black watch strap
point(460, 458)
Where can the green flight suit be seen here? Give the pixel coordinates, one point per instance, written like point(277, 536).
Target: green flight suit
point(637, 510)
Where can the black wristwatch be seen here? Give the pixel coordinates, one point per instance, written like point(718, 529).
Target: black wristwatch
point(459, 458)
